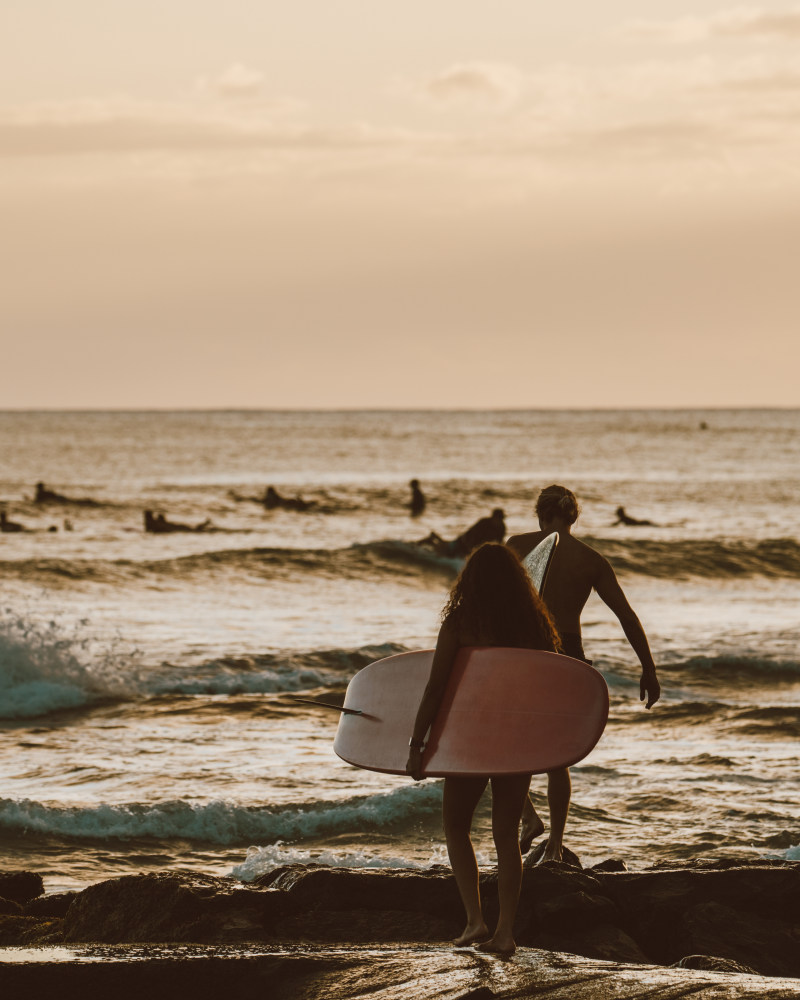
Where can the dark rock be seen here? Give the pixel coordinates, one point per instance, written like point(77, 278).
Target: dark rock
point(748, 938)
point(54, 905)
point(711, 963)
point(574, 910)
point(173, 906)
point(20, 886)
point(748, 911)
point(536, 855)
point(21, 930)
point(8, 906)
point(610, 865)
point(606, 941)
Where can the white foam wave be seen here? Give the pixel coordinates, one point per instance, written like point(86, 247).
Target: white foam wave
point(261, 860)
point(220, 822)
point(47, 667)
point(226, 681)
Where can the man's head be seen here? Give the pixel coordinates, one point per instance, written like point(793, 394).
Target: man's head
point(557, 503)
point(498, 513)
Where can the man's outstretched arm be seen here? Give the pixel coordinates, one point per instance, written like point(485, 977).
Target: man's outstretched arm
point(610, 592)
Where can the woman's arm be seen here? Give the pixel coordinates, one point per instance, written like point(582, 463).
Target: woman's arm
point(447, 647)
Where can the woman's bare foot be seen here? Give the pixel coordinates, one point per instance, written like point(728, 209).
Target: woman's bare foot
point(499, 945)
point(472, 935)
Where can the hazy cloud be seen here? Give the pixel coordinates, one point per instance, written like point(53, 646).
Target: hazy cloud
point(739, 22)
point(474, 84)
point(239, 82)
point(131, 127)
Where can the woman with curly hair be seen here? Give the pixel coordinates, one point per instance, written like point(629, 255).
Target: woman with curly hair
point(491, 604)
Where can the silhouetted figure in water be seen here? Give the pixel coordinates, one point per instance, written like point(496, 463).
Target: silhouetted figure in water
point(43, 495)
point(623, 518)
point(576, 571)
point(703, 426)
point(274, 501)
point(487, 529)
point(10, 527)
point(417, 503)
point(157, 524)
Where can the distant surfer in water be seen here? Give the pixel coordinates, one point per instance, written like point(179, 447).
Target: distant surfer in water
point(417, 503)
point(43, 495)
point(157, 524)
point(623, 518)
point(487, 529)
point(576, 570)
point(273, 500)
point(491, 604)
point(9, 527)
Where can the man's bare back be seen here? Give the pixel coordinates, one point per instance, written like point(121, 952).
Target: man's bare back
point(575, 571)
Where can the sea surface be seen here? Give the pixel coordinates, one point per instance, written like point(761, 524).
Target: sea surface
point(146, 718)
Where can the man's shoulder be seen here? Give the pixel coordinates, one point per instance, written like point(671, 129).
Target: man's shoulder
point(588, 555)
point(522, 544)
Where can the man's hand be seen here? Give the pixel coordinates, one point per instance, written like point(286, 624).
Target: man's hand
point(414, 765)
point(649, 688)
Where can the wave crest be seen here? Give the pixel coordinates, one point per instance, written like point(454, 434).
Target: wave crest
point(222, 822)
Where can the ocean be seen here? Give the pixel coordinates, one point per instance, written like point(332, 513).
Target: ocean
point(146, 719)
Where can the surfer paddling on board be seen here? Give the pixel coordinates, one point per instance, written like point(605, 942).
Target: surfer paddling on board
point(491, 604)
point(576, 570)
point(487, 529)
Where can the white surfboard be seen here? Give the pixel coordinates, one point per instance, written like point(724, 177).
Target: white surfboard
point(537, 561)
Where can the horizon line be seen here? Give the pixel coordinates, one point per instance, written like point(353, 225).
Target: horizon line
point(678, 408)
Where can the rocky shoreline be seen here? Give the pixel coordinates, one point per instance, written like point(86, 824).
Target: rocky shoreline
point(736, 921)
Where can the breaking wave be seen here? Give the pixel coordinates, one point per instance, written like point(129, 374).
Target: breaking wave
point(222, 822)
point(391, 558)
point(735, 671)
point(47, 668)
point(714, 558)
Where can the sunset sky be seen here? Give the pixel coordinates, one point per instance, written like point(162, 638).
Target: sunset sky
point(367, 203)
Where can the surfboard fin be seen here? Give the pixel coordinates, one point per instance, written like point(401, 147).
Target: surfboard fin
point(326, 704)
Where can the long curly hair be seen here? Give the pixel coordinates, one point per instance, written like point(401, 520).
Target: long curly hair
point(494, 597)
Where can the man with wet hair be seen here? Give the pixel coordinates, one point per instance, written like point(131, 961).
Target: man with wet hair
point(576, 570)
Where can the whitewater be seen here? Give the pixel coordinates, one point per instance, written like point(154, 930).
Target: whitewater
point(146, 682)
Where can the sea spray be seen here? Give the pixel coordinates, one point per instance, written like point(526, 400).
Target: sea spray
point(47, 666)
point(261, 860)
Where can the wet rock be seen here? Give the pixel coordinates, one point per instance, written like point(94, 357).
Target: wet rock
point(711, 963)
point(537, 853)
point(747, 911)
point(574, 910)
point(22, 930)
point(172, 906)
point(8, 906)
point(610, 865)
point(368, 973)
point(19, 887)
point(54, 905)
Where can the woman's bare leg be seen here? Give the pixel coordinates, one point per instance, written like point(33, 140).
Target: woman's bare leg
point(461, 796)
point(508, 799)
point(559, 792)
